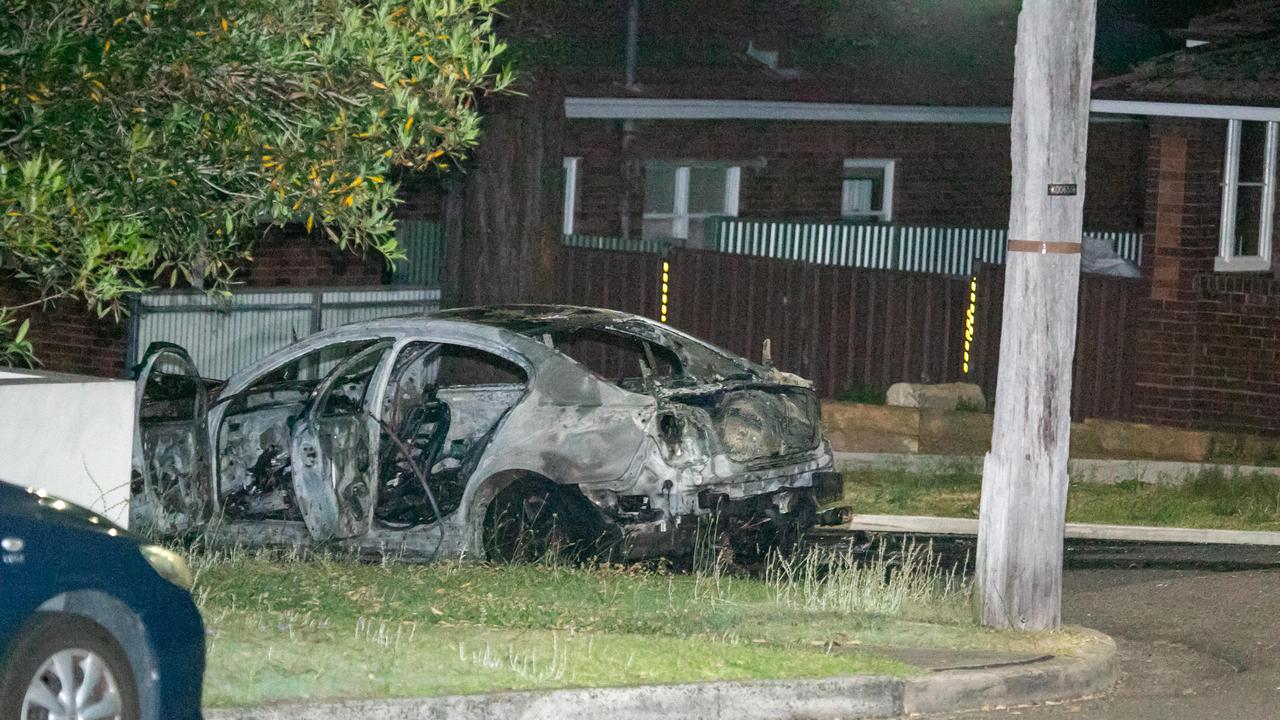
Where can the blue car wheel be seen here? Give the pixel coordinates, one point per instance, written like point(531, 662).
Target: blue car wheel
point(65, 666)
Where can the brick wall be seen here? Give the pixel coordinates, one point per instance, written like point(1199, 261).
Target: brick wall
point(290, 258)
point(945, 174)
point(1208, 343)
point(70, 338)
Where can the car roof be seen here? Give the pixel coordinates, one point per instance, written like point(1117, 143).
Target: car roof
point(524, 321)
point(533, 319)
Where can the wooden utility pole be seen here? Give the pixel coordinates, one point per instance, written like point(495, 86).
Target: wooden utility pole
point(1024, 479)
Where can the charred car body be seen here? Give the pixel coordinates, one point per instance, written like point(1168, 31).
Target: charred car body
point(481, 432)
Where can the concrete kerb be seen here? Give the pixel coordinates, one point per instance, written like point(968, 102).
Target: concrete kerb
point(1088, 470)
point(1090, 670)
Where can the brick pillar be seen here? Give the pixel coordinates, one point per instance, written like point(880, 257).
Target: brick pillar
point(1183, 199)
point(1170, 197)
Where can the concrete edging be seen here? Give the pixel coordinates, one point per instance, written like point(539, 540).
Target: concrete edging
point(1091, 670)
point(1088, 470)
point(928, 525)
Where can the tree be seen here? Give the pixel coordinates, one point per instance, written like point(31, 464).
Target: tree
point(147, 141)
point(1024, 479)
point(503, 225)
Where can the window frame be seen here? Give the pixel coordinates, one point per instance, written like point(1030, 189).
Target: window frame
point(1227, 260)
point(571, 165)
point(680, 215)
point(885, 213)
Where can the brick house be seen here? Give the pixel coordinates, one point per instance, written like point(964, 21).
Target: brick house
point(1208, 335)
point(715, 126)
point(764, 126)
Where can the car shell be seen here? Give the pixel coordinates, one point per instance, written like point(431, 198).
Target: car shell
point(569, 427)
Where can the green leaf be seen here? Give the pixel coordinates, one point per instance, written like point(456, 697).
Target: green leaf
point(140, 152)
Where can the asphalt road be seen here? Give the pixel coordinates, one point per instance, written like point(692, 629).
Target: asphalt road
point(1198, 630)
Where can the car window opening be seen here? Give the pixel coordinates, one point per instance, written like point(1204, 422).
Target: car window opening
point(618, 358)
point(444, 402)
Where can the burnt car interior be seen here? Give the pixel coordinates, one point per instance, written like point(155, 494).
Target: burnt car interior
point(255, 439)
point(444, 402)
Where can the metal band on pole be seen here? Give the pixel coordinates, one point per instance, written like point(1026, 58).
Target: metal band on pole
point(1042, 247)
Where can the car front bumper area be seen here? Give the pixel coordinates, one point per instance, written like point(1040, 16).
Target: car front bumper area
point(778, 516)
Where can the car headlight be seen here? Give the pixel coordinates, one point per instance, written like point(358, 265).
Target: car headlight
point(169, 565)
point(747, 431)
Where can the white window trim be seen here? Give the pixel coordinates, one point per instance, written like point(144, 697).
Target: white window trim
point(680, 215)
point(1227, 260)
point(885, 214)
point(570, 192)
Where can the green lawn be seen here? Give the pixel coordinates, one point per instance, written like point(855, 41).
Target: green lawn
point(287, 629)
point(1211, 499)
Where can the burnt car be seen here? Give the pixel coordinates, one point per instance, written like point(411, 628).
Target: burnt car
point(488, 432)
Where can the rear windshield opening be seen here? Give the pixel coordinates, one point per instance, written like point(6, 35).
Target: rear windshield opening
point(618, 357)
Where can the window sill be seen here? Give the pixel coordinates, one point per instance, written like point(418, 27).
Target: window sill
point(1241, 264)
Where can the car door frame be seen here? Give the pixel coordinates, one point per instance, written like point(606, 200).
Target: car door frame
point(246, 378)
point(474, 342)
point(304, 448)
point(198, 499)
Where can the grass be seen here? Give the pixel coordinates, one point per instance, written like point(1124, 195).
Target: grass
point(1211, 499)
point(285, 628)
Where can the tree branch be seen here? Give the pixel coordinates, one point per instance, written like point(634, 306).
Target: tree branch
point(16, 137)
point(41, 301)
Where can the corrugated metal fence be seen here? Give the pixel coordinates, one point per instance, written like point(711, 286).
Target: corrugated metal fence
point(423, 243)
point(946, 250)
point(226, 334)
point(606, 242)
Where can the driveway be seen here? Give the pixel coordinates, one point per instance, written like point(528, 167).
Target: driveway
point(1193, 644)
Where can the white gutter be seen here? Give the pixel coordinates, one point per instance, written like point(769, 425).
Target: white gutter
point(669, 109)
point(612, 108)
point(1186, 110)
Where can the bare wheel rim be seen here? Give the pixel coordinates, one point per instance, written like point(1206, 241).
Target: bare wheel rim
point(73, 684)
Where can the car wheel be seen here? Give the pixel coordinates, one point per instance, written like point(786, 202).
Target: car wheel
point(65, 666)
point(525, 523)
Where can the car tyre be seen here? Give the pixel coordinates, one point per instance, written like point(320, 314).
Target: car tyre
point(525, 523)
point(71, 662)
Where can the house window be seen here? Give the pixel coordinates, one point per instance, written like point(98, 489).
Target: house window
point(678, 199)
point(1248, 197)
point(570, 192)
point(867, 192)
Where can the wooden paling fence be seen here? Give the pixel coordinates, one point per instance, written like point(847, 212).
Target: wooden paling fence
point(847, 327)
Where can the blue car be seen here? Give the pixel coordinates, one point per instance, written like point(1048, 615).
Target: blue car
point(95, 623)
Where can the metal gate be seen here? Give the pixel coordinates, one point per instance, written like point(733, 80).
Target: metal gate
point(225, 334)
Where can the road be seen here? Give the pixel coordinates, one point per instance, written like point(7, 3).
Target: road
point(1198, 630)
